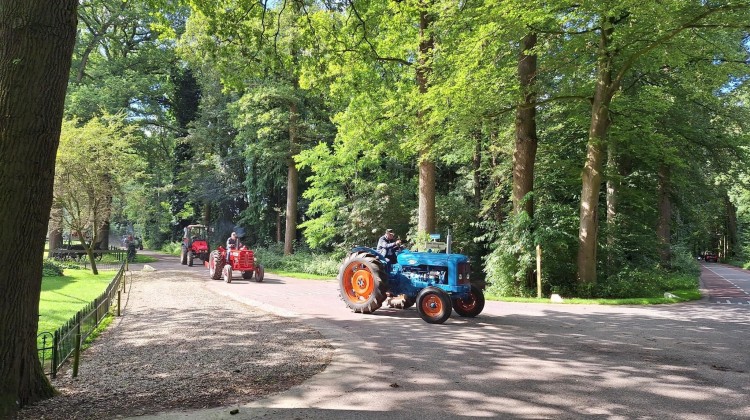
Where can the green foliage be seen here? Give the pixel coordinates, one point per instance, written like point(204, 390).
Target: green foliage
point(172, 248)
point(638, 282)
point(52, 268)
point(513, 252)
point(342, 78)
point(273, 258)
point(685, 262)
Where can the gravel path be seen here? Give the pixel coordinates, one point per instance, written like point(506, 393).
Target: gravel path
point(179, 346)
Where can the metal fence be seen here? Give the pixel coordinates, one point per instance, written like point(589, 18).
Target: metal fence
point(55, 348)
point(107, 259)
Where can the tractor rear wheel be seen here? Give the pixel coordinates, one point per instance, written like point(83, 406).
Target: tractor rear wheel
point(362, 282)
point(215, 265)
point(247, 275)
point(434, 305)
point(183, 256)
point(472, 305)
point(190, 258)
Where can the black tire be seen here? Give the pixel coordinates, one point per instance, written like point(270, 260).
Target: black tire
point(472, 305)
point(260, 273)
point(362, 282)
point(190, 258)
point(227, 273)
point(247, 275)
point(434, 305)
point(183, 256)
point(215, 265)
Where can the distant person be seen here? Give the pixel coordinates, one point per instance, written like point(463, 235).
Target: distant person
point(131, 248)
point(388, 245)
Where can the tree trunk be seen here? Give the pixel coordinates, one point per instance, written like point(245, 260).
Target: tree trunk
point(426, 196)
point(36, 46)
point(477, 167)
point(591, 176)
point(206, 214)
point(102, 236)
point(278, 226)
point(663, 229)
point(55, 229)
point(613, 191)
point(524, 154)
point(102, 232)
point(89, 248)
point(732, 237)
point(427, 169)
point(292, 184)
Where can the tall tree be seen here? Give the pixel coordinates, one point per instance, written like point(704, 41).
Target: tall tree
point(93, 162)
point(616, 55)
point(36, 45)
point(266, 65)
point(426, 162)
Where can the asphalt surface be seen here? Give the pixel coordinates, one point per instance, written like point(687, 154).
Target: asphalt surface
point(683, 361)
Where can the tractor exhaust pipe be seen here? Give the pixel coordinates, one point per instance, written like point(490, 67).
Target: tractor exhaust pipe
point(448, 239)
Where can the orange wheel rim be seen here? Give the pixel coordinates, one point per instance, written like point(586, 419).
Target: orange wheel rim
point(432, 306)
point(359, 282)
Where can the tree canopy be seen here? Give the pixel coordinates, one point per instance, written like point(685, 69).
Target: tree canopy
point(610, 134)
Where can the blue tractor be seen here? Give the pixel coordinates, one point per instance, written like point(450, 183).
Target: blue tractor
point(436, 282)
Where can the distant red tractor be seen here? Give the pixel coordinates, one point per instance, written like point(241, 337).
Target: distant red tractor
point(194, 244)
point(242, 260)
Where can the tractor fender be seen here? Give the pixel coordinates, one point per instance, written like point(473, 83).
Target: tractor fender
point(372, 251)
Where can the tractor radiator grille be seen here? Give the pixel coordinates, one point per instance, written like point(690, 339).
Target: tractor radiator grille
point(464, 272)
point(245, 259)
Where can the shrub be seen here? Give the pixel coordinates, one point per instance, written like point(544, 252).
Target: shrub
point(51, 268)
point(684, 262)
point(301, 261)
point(172, 248)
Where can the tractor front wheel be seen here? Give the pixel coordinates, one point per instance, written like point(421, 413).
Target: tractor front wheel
point(183, 256)
point(190, 258)
point(434, 305)
point(215, 265)
point(472, 305)
point(260, 272)
point(362, 282)
point(227, 272)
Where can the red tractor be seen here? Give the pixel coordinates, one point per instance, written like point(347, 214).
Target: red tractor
point(242, 260)
point(194, 244)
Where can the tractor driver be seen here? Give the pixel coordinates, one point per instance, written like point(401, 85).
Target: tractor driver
point(388, 245)
point(233, 243)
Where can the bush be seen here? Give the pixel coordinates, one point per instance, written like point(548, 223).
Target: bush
point(640, 283)
point(684, 262)
point(51, 268)
point(301, 262)
point(172, 248)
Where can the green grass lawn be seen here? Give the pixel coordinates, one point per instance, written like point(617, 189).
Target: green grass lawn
point(63, 296)
point(299, 275)
point(682, 296)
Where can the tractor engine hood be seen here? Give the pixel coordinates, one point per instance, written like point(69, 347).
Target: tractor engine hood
point(409, 258)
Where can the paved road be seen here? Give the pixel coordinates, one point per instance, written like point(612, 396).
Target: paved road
point(686, 361)
point(726, 284)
